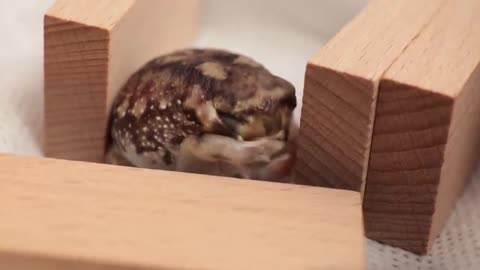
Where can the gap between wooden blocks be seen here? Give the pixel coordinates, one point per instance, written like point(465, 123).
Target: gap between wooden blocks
point(391, 108)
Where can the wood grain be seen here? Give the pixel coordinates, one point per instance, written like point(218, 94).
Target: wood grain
point(427, 131)
point(341, 85)
point(74, 215)
point(91, 48)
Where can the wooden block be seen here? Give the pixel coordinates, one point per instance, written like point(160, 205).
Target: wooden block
point(427, 131)
point(91, 48)
point(75, 215)
point(341, 85)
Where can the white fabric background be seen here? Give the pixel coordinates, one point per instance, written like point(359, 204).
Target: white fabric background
point(281, 34)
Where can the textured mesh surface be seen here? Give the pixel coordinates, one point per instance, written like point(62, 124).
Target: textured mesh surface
point(457, 247)
point(272, 40)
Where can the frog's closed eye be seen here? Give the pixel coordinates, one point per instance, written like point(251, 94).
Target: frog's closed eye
point(231, 122)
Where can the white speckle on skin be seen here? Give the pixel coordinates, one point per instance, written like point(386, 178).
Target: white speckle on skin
point(139, 107)
point(213, 70)
point(163, 104)
point(122, 109)
point(179, 101)
point(145, 129)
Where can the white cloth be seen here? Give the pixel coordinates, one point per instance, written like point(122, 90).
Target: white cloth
point(281, 34)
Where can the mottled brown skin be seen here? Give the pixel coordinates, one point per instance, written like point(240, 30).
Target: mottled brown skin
point(206, 111)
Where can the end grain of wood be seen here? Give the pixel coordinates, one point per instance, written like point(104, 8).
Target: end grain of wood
point(341, 85)
point(427, 131)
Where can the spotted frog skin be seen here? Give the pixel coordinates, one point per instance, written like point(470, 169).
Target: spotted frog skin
point(204, 111)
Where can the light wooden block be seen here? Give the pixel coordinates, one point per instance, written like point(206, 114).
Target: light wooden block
point(75, 215)
point(341, 85)
point(393, 100)
point(91, 48)
point(427, 130)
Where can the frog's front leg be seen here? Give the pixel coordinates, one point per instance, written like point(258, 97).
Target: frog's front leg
point(217, 148)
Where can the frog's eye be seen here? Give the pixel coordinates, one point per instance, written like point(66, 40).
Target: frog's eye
point(231, 122)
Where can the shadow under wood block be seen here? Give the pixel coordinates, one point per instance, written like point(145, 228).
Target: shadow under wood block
point(341, 85)
point(80, 215)
point(427, 131)
point(91, 48)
